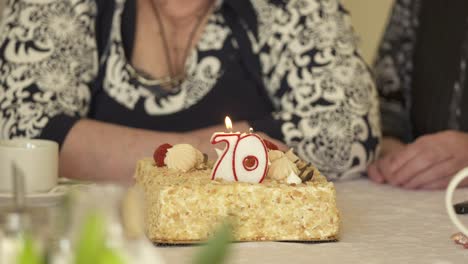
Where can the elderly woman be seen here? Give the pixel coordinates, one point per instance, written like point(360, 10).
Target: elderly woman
point(110, 80)
point(422, 78)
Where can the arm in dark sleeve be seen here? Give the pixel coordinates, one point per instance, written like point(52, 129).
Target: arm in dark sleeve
point(48, 61)
point(393, 69)
point(325, 98)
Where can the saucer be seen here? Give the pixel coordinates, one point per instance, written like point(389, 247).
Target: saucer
point(45, 198)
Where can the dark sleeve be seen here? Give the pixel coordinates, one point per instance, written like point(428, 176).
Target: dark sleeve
point(48, 60)
point(394, 67)
point(324, 94)
point(269, 125)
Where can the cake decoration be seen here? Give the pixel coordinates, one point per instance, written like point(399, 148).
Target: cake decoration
point(270, 145)
point(291, 156)
point(275, 154)
point(293, 179)
point(244, 159)
point(237, 162)
point(250, 163)
point(306, 170)
point(231, 164)
point(281, 168)
point(460, 239)
point(183, 157)
point(160, 154)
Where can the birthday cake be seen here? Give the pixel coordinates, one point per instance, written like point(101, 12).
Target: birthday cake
point(266, 194)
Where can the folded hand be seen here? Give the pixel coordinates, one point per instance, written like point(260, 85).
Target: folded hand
point(428, 163)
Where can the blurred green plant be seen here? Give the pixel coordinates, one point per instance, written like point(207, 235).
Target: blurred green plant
point(91, 247)
point(216, 249)
point(29, 253)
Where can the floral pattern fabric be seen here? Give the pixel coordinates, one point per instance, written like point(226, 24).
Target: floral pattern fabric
point(43, 70)
point(394, 68)
point(323, 91)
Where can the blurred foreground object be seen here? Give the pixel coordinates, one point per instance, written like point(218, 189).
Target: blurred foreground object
point(216, 250)
point(99, 231)
point(460, 239)
point(16, 229)
point(89, 227)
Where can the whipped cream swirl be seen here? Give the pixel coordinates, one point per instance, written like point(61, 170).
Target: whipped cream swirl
point(183, 157)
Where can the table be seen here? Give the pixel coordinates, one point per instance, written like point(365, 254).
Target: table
point(380, 224)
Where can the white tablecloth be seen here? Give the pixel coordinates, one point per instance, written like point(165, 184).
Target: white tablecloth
point(380, 224)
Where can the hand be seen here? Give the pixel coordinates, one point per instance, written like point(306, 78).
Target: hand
point(428, 163)
point(390, 148)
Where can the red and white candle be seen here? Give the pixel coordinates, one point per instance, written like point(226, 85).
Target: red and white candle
point(244, 159)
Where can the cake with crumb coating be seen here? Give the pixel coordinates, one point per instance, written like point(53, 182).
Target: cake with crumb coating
point(184, 204)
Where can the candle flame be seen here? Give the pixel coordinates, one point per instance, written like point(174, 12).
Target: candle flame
point(228, 123)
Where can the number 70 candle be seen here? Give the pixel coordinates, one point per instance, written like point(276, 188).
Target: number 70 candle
point(244, 159)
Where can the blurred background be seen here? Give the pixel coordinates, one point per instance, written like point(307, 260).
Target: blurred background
point(369, 19)
point(2, 3)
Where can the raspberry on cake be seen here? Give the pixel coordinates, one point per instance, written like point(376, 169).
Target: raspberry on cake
point(183, 204)
point(160, 154)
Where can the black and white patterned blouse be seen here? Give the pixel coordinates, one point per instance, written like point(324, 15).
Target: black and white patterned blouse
point(289, 68)
point(421, 68)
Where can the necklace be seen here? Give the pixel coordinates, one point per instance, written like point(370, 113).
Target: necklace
point(175, 79)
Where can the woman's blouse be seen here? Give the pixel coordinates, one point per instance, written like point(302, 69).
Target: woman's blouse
point(289, 68)
point(421, 68)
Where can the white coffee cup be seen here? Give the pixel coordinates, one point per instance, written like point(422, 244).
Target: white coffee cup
point(36, 159)
point(459, 177)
